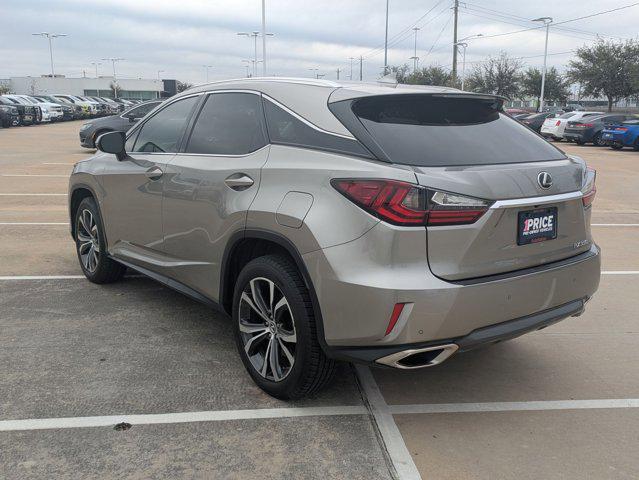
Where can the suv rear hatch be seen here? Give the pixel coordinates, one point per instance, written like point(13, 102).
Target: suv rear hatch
point(465, 144)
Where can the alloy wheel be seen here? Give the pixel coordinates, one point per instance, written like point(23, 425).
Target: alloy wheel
point(88, 240)
point(267, 329)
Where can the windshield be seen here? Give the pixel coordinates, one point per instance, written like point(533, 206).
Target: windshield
point(428, 130)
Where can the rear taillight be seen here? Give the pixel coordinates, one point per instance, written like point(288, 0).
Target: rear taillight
point(621, 129)
point(590, 189)
point(584, 125)
point(558, 123)
point(406, 204)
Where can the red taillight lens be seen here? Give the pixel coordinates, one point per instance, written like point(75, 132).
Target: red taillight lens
point(621, 129)
point(558, 123)
point(397, 311)
point(590, 190)
point(406, 204)
point(584, 125)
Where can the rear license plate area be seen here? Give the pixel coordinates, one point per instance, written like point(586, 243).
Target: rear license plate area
point(537, 225)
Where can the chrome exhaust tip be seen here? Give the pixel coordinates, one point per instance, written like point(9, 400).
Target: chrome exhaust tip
point(419, 357)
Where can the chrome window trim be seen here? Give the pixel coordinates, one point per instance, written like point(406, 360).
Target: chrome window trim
point(186, 154)
point(303, 120)
point(524, 202)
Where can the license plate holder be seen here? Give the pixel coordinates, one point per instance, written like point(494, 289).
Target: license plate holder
point(534, 226)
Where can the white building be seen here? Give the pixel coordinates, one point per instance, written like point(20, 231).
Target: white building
point(130, 88)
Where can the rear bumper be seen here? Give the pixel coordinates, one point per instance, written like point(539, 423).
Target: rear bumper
point(358, 284)
point(434, 353)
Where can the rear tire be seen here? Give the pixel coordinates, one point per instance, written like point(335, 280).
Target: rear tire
point(596, 140)
point(580, 142)
point(276, 330)
point(616, 147)
point(90, 245)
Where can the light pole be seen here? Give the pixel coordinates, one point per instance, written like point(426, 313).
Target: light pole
point(415, 58)
point(546, 21)
point(386, 43)
point(206, 69)
point(248, 63)
point(254, 35)
point(95, 64)
point(464, 45)
point(263, 38)
point(49, 37)
point(160, 71)
point(113, 61)
point(316, 72)
point(350, 77)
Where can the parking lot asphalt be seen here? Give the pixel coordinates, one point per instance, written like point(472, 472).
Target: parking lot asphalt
point(560, 403)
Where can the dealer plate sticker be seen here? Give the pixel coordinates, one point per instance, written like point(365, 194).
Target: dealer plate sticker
point(536, 225)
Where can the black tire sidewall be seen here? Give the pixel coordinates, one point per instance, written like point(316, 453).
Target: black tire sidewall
point(274, 268)
point(89, 204)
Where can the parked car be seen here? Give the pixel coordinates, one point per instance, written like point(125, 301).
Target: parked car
point(91, 130)
point(573, 107)
point(68, 110)
point(590, 129)
point(28, 113)
point(624, 135)
point(112, 108)
point(517, 112)
point(40, 115)
point(49, 109)
point(89, 109)
point(536, 120)
point(338, 221)
point(554, 127)
point(9, 116)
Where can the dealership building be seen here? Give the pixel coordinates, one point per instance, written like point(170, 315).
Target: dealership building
point(129, 88)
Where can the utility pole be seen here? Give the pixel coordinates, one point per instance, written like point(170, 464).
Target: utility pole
point(386, 42)
point(415, 58)
point(115, 81)
point(95, 64)
point(338, 70)
point(350, 77)
point(546, 21)
point(361, 61)
point(49, 37)
point(263, 38)
point(206, 68)
point(456, 15)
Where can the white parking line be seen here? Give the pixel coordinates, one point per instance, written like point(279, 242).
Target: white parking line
point(40, 277)
point(34, 223)
point(180, 417)
point(33, 194)
point(620, 272)
point(515, 406)
point(57, 163)
point(614, 224)
point(398, 455)
point(33, 175)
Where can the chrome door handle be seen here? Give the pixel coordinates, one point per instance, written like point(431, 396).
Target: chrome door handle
point(239, 181)
point(154, 173)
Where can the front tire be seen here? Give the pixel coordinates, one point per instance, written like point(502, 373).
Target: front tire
point(276, 331)
point(90, 245)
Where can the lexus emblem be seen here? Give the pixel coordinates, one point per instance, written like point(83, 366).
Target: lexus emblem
point(544, 180)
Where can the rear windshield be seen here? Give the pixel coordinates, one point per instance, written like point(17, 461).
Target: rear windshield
point(425, 130)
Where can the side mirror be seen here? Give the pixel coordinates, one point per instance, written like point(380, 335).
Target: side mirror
point(112, 142)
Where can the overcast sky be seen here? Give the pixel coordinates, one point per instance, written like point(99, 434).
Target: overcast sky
point(179, 36)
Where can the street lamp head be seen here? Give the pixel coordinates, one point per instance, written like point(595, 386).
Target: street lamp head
point(543, 19)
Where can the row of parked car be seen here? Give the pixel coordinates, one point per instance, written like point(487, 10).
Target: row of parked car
point(581, 127)
point(16, 110)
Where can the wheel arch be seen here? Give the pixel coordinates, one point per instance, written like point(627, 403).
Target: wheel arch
point(79, 192)
point(261, 242)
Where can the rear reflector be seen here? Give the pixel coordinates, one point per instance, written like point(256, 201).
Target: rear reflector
point(397, 311)
point(406, 204)
point(558, 123)
point(590, 190)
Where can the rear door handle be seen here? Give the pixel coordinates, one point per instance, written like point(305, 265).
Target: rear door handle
point(239, 181)
point(154, 173)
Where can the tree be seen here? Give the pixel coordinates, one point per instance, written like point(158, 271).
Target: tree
point(4, 89)
point(556, 88)
point(432, 75)
point(497, 75)
point(607, 68)
point(116, 89)
point(181, 86)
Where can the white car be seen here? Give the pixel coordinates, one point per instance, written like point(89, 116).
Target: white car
point(554, 127)
point(50, 111)
point(89, 108)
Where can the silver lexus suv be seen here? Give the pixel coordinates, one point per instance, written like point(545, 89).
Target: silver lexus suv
point(384, 224)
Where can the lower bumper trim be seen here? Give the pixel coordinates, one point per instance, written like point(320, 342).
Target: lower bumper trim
point(396, 355)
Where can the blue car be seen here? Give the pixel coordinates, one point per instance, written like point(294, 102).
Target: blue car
point(625, 134)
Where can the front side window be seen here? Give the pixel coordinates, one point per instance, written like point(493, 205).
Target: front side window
point(163, 131)
point(228, 124)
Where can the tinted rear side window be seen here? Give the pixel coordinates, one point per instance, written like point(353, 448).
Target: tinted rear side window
point(425, 130)
point(163, 131)
point(286, 129)
point(229, 124)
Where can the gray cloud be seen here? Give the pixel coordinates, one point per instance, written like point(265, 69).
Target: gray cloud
point(180, 36)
